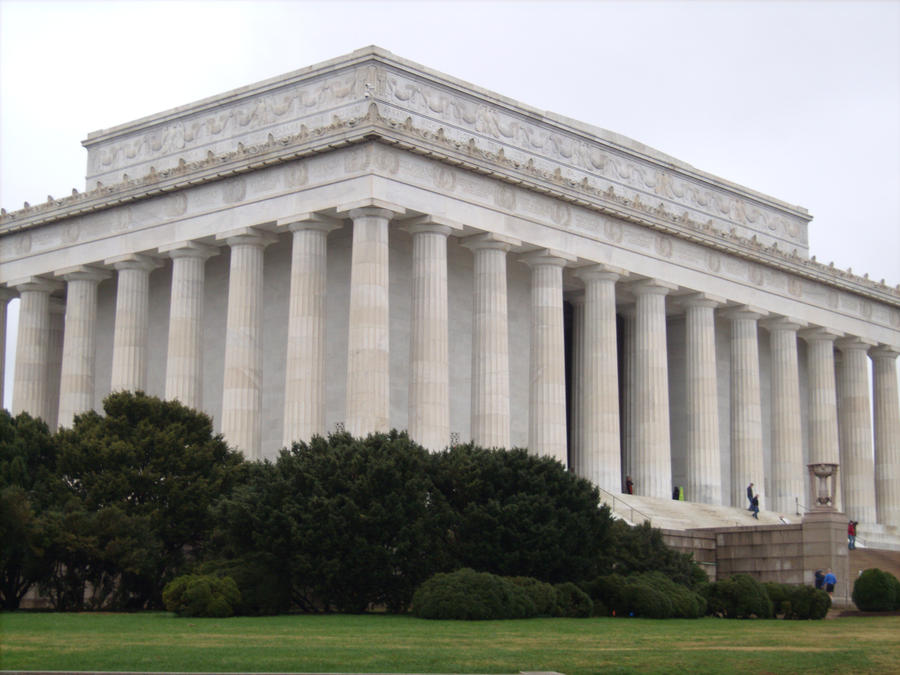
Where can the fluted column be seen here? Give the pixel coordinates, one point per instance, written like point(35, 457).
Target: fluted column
point(823, 426)
point(429, 382)
point(628, 426)
point(747, 461)
point(304, 377)
point(598, 422)
point(132, 324)
point(242, 385)
point(368, 340)
point(855, 427)
point(887, 435)
point(55, 354)
point(788, 470)
point(184, 354)
point(32, 347)
point(577, 401)
point(704, 482)
point(547, 402)
point(6, 294)
point(652, 458)
point(490, 342)
point(79, 342)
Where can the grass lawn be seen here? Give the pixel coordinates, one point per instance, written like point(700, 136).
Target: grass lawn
point(386, 644)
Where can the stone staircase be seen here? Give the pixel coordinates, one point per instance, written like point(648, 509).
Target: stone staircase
point(885, 537)
point(671, 514)
point(867, 558)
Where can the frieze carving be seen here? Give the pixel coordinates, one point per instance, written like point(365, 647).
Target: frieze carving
point(287, 103)
point(609, 163)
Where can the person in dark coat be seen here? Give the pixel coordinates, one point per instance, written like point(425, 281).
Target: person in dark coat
point(750, 496)
point(754, 506)
point(629, 485)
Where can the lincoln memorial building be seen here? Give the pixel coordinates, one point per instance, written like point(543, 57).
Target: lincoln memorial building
point(368, 244)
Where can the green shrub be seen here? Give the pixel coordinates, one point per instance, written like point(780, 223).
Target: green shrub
point(686, 604)
point(896, 583)
point(572, 602)
point(469, 595)
point(202, 595)
point(264, 589)
point(875, 591)
point(740, 597)
point(542, 594)
point(642, 599)
point(607, 593)
point(778, 594)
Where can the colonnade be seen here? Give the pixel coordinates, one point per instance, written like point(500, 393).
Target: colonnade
point(840, 427)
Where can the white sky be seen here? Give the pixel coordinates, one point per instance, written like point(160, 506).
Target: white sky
point(798, 100)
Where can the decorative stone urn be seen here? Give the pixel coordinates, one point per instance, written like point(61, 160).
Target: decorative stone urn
point(821, 487)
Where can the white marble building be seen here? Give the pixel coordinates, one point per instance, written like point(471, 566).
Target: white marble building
point(366, 244)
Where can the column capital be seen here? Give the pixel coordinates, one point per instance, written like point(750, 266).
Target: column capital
point(748, 312)
point(189, 249)
point(780, 322)
point(576, 298)
point(884, 352)
point(133, 261)
point(424, 225)
point(310, 221)
point(852, 342)
point(7, 294)
point(600, 272)
point(36, 283)
point(652, 287)
point(82, 273)
point(248, 236)
point(432, 223)
point(489, 240)
point(547, 256)
point(820, 334)
point(700, 299)
point(371, 207)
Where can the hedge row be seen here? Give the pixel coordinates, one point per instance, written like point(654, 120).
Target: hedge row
point(798, 602)
point(651, 595)
point(469, 595)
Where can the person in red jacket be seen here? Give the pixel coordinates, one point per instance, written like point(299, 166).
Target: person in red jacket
point(851, 534)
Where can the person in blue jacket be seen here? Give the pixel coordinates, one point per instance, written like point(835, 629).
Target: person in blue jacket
point(830, 581)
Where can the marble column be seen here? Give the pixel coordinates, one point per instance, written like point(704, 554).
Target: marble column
point(132, 324)
point(627, 421)
point(490, 341)
point(32, 347)
point(747, 460)
point(823, 425)
point(787, 467)
point(855, 428)
point(6, 294)
point(598, 422)
point(184, 354)
point(577, 403)
point(304, 377)
point(429, 381)
point(55, 354)
point(703, 461)
point(652, 457)
point(242, 384)
point(547, 402)
point(887, 435)
point(368, 340)
point(79, 341)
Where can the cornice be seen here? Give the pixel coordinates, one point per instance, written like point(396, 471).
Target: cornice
point(470, 156)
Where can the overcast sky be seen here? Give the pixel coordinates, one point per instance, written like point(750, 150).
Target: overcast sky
point(798, 100)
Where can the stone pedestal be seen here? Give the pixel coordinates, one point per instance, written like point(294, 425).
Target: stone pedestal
point(825, 547)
